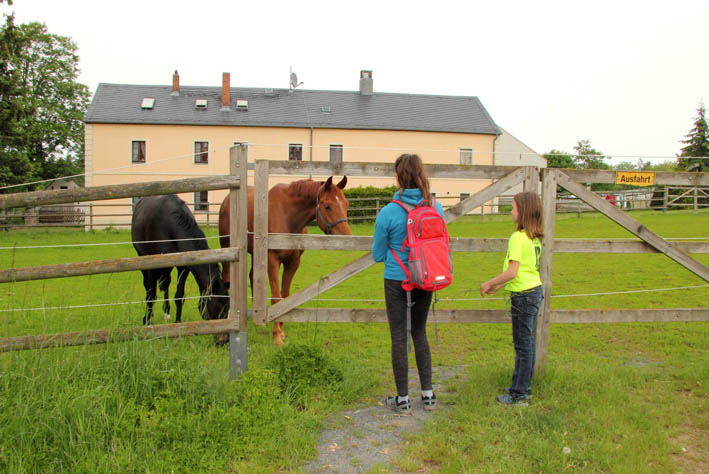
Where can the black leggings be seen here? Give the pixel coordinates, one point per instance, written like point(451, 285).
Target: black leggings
point(396, 314)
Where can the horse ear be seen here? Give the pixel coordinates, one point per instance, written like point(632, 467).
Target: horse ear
point(328, 183)
point(342, 183)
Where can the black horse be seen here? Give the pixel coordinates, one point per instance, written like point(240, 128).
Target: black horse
point(159, 222)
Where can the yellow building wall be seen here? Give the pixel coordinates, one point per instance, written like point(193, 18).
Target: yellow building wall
point(170, 155)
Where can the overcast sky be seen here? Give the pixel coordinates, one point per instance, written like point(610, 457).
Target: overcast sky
point(627, 75)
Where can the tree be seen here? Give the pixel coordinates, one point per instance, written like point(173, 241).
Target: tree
point(559, 159)
point(41, 104)
point(588, 158)
point(697, 141)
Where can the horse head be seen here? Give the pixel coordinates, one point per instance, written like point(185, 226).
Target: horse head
point(331, 207)
point(214, 303)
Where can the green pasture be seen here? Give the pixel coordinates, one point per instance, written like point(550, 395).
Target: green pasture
point(621, 397)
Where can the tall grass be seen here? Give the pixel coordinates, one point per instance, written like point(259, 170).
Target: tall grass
point(617, 395)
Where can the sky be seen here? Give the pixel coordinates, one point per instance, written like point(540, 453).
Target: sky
point(627, 75)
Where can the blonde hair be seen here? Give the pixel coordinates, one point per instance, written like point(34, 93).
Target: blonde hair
point(529, 210)
point(410, 174)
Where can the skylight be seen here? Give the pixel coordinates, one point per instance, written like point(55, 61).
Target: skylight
point(148, 103)
point(200, 104)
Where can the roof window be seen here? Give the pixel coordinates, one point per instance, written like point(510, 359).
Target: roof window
point(326, 109)
point(200, 104)
point(148, 103)
point(242, 104)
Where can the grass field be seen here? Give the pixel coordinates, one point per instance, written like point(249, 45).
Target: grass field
point(621, 397)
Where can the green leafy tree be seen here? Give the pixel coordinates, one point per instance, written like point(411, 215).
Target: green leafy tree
point(43, 103)
point(559, 159)
point(697, 140)
point(589, 158)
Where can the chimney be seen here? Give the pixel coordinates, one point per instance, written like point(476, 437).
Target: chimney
point(175, 83)
point(366, 85)
point(226, 91)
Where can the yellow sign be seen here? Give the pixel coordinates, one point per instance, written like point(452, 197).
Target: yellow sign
point(635, 178)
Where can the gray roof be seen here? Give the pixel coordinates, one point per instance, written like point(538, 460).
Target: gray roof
point(121, 103)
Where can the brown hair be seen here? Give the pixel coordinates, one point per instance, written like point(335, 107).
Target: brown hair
point(410, 174)
point(529, 209)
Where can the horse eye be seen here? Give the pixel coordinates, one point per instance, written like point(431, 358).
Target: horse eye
point(327, 207)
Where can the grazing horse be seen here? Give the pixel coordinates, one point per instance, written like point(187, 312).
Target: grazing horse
point(290, 208)
point(159, 223)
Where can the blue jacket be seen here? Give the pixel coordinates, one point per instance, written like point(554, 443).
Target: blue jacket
point(390, 231)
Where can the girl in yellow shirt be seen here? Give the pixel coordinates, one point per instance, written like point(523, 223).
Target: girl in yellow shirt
point(520, 276)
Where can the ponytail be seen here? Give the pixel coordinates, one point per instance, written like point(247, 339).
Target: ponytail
point(411, 174)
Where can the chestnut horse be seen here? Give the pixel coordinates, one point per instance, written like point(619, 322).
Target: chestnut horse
point(290, 208)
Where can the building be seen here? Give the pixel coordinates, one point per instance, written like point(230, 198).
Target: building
point(137, 133)
point(510, 151)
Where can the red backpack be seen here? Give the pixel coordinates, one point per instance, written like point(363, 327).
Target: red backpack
point(430, 263)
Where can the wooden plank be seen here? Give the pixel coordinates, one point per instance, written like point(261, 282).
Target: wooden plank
point(348, 315)
point(96, 267)
point(557, 316)
point(661, 177)
point(484, 195)
point(320, 286)
point(196, 328)
point(434, 171)
point(633, 226)
point(630, 315)
point(261, 243)
point(531, 179)
point(460, 244)
point(545, 269)
point(116, 191)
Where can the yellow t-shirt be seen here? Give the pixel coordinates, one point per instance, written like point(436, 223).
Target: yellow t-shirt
point(526, 251)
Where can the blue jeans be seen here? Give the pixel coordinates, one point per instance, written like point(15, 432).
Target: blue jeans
point(525, 307)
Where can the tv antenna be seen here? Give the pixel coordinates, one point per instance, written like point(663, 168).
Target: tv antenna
point(293, 80)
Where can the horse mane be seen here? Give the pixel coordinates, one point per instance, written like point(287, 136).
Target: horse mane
point(186, 222)
point(304, 187)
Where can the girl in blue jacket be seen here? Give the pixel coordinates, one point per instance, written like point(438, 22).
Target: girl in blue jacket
point(389, 233)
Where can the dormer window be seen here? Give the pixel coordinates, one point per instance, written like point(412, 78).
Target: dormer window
point(242, 104)
point(148, 103)
point(200, 104)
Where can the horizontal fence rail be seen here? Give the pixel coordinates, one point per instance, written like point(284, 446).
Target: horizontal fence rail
point(195, 328)
point(101, 193)
point(459, 244)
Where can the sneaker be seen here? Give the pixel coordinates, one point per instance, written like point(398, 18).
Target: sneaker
point(403, 407)
point(528, 393)
point(506, 399)
point(429, 403)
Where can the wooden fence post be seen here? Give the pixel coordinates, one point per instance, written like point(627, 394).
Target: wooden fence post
point(531, 179)
point(259, 257)
point(238, 292)
point(545, 269)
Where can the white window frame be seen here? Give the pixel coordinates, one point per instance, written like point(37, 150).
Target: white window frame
point(342, 154)
point(292, 144)
point(130, 153)
point(194, 154)
point(472, 155)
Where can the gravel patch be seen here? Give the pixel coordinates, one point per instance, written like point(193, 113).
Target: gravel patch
point(356, 441)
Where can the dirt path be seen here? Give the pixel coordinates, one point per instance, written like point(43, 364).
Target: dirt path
point(372, 436)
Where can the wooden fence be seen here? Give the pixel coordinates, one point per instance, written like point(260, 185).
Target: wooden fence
point(506, 177)
point(234, 325)
point(288, 309)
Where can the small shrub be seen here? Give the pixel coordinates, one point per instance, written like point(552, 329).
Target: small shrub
point(303, 371)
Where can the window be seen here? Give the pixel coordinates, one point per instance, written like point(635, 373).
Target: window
point(201, 201)
point(201, 152)
point(138, 151)
point(295, 152)
point(336, 153)
point(464, 196)
point(466, 156)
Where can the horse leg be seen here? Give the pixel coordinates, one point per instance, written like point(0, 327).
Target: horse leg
point(164, 282)
point(290, 266)
point(273, 265)
point(150, 284)
point(182, 274)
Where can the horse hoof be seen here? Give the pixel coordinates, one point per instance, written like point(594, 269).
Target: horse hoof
point(166, 316)
point(277, 341)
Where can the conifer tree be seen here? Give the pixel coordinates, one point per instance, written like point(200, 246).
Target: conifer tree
point(695, 156)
